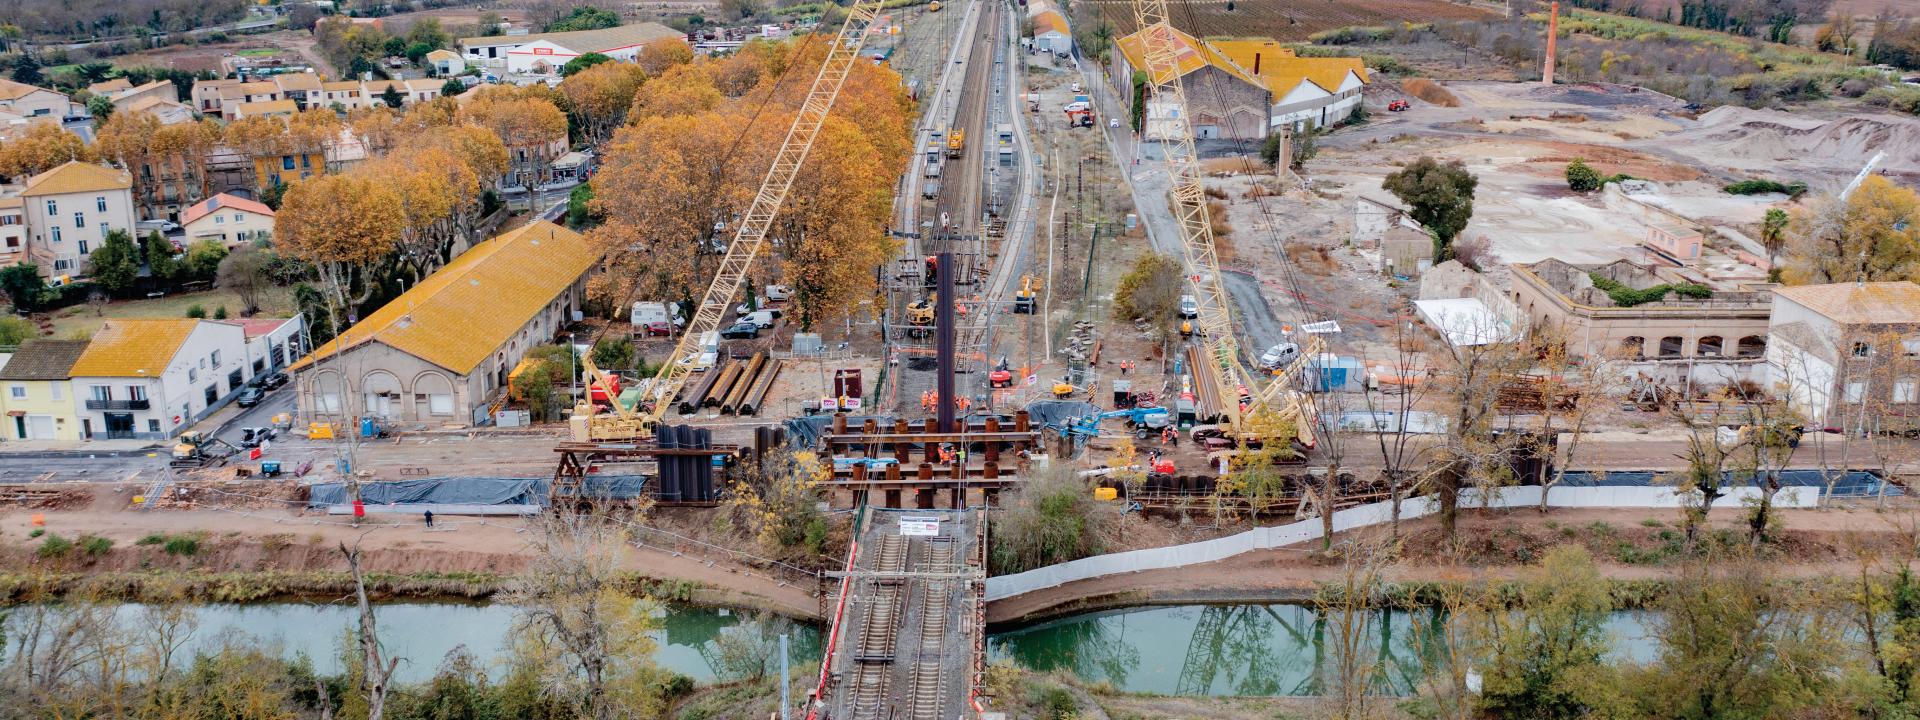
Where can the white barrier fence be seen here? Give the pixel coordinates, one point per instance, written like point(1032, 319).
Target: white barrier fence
point(1266, 538)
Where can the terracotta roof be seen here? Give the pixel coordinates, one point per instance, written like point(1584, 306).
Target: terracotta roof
point(76, 176)
point(267, 107)
point(297, 81)
point(44, 360)
point(134, 347)
point(458, 316)
point(241, 90)
point(443, 54)
point(339, 85)
point(1874, 303)
point(1050, 20)
point(10, 90)
point(111, 86)
point(223, 200)
point(585, 40)
point(1190, 54)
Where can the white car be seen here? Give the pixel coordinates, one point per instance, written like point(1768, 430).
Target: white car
point(1189, 307)
point(1279, 356)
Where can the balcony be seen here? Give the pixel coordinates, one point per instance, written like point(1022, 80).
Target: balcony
point(118, 404)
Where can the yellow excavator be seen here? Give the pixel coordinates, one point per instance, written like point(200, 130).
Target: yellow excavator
point(1024, 300)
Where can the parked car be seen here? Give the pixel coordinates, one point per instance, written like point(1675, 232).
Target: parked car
point(657, 328)
point(742, 330)
point(1279, 356)
point(272, 380)
point(1189, 307)
point(252, 437)
point(250, 396)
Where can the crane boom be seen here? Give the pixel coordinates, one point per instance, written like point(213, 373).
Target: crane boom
point(754, 225)
point(1215, 318)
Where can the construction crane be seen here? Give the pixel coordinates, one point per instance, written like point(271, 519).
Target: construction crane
point(1266, 405)
point(628, 423)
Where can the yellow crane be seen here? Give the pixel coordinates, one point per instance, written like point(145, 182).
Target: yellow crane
point(628, 423)
point(1268, 405)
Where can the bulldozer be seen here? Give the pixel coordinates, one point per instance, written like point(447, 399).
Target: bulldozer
point(198, 450)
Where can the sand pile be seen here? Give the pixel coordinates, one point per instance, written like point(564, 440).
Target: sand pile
point(1771, 135)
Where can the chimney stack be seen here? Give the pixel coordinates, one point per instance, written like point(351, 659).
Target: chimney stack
point(1553, 35)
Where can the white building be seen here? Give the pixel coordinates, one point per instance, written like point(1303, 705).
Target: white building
point(543, 54)
point(272, 343)
point(33, 101)
point(153, 377)
point(1848, 354)
point(1307, 92)
point(13, 231)
point(446, 63)
point(228, 219)
point(1050, 32)
point(69, 211)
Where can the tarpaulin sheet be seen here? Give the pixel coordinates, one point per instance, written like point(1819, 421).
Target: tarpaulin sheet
point(1056, 413)
point(1853, 483)
point(471, 490)
point(805, 431)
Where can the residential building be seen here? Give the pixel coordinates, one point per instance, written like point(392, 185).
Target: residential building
point(238, 94)
point(264, 108)
point(109, 87)
point(541, 55)
point(1307, 92)
point(446, 63)
point(347, 94)
point(283, 169)
point(13, 231)
point(153, 377)
point(1050, 32)
point(168, 110)
point(272, 343)
point(69, 211)
point(229, 219)
point(38, 397)
point(207, 94)
point(1224, 101)
point(161, 90)
point(33, 101)
point(303, 88)
point(441, 351)
point(1847, 355)
point(1717, 339)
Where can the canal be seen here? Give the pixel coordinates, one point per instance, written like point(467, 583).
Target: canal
point(1249, 649)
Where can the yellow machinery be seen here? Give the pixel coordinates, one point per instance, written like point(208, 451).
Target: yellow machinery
point(933, 7)
point(1029, 293)
point(921, 311)
point(956, 142)
point(628, 423)
point(1269, 406)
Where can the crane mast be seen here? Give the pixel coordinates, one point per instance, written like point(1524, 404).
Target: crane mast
point(843, 51)
point(1223, 370)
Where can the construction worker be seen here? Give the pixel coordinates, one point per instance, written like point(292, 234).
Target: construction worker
point(946, 454)
point(1170, 436)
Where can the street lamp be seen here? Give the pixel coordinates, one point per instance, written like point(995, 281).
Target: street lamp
point(573, 370)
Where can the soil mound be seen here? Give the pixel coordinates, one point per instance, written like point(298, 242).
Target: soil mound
point(1771, 135)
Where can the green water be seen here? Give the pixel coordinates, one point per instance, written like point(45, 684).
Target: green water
point(422, 633)
point(1239, 649)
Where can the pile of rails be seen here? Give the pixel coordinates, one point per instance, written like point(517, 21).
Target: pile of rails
point(43, 497)
point(1207, 403)
point(734, 387)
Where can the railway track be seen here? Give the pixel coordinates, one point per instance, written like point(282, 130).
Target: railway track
point(924, 681)
point(873, 658)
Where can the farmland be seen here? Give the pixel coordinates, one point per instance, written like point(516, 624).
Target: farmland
point(1291, 21)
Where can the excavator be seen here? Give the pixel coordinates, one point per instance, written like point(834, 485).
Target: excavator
point(628, 423)
point(1024, 299)
point(1265, 411)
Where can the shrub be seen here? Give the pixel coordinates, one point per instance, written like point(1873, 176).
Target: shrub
point(1050, 519)
point(37, 532)
point(196, 311)
point(1057, 704)
point(182, 545)
point(1757, 187)
point(1581, 177)
point(220, 313)
point(94, 545)
point(154, 539)
point(55, 546)
point(1624, 296)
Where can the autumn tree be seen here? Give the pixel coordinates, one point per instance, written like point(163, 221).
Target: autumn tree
point(247, 271)
point(1874, 234)
point(600, 96)
point(341, 224)
point(683, 90)
point(1440, 196)
point(833, 225)
point(43, 147)
point(655, 57)
point(531, 127)
point(746, 67)
point(1547, 656)
point(1473, 453)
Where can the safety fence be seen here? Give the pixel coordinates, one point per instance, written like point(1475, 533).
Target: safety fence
point(1267, 538)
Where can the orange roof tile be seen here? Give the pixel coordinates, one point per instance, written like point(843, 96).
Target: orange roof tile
point(459, 315)
point(1190, 54)
point(200, 209)
point(134, 347)
point(76, 176)
point(1874, 303)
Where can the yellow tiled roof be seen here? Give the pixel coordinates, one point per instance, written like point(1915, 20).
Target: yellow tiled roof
point(1190, 54)
point(1873, 303)
point(458, 316)
point(133, 347)
point(339, 85)
point(1282, 71)
point(1050, 20)
point(76, 176)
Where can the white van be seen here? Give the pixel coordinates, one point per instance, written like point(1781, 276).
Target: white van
point(762, 318)
point(778, 293)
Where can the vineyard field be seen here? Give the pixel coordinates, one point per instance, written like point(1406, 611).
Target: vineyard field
point(1289, 21)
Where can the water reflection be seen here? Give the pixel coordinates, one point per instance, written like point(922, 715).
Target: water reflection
point(1244, 649)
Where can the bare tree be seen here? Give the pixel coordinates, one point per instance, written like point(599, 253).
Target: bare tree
point(378, 671)
point(1570, 391)
point(1350, 611)
point(1392, 400)
point(1702, 482)
point(1473, 452)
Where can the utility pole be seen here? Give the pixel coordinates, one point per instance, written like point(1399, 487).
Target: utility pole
point(785, 683)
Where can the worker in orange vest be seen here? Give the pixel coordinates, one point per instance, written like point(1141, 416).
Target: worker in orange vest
point(946, 454)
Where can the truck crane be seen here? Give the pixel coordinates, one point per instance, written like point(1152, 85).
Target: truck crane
point(629, 423)
point(1263, 409)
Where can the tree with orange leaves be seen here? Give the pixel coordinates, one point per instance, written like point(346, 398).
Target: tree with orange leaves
point(599, 97)
point(44, 146)
point(342, 224)
point(655, 57)
point(533, 129)
point(755, 61)
point(683, 90)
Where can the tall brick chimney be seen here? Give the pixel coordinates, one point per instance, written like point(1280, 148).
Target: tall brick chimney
point(1553, 35)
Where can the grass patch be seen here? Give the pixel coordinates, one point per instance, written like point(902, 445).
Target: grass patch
point(1758, 187)
point(80, 320)
point(1624, 296)
point(94, 545)
point(258, 52)
point(55, 547)
point(154, 539)
point(183, 545)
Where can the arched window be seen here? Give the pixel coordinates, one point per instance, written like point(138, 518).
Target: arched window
point(1709, 346)
point(433, 394)
point(1751, 346)
point(380, 391)
point(1633, 346)
point(1671, 346)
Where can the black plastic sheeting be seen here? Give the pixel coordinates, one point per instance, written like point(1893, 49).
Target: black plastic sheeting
point(472, 491)
point(1855, 483)
point(805, 432)
point(1056, 413)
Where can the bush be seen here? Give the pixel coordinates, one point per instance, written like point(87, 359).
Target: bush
point(154, 539)
point(1757, 187)
point(220, 313)
point(1624, 296)
point(186, 545)
point(1057, 704)
point(1581, 177)
point(196, 311)
point(94, 545)
point(1050, 519)
point(37, 532)
point(55, 546)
